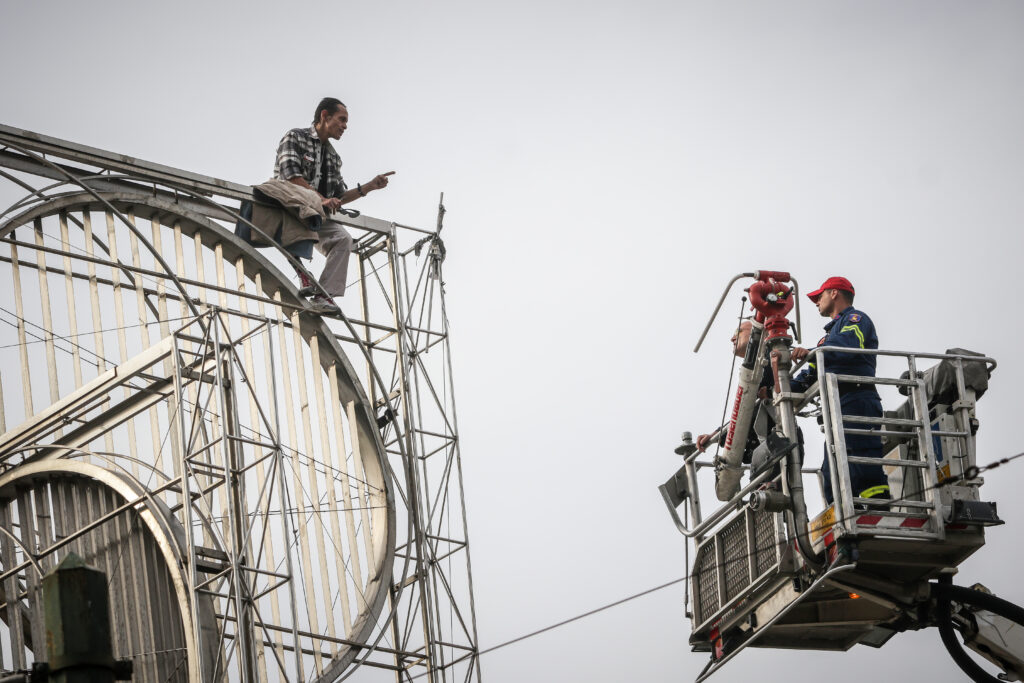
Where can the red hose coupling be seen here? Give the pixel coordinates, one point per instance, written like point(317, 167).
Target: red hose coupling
point(772, 301)
point(770, 298)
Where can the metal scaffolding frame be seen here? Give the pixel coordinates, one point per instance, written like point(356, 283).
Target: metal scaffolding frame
point(272, 486)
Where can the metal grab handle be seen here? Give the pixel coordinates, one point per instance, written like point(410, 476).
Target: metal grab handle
point(756, 275)
point(721, 301)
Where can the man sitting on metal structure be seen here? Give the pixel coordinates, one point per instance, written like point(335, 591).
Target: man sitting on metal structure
point(851, 328)
point(306, 158)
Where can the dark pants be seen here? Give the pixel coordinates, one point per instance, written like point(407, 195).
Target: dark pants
point(865, 403)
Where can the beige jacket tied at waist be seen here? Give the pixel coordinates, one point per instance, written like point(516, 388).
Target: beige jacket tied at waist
point(299, 203)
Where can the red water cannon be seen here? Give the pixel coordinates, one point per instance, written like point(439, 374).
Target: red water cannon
point(772, 300)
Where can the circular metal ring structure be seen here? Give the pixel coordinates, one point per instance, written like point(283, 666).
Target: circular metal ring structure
point(222, 422)
point(88, 510)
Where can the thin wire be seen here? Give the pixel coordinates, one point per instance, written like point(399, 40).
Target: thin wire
point(55, 336)
point(584, 615)
point(68, 337)
point(306, 509)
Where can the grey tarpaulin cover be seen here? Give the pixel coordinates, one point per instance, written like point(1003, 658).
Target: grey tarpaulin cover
point(940, 381)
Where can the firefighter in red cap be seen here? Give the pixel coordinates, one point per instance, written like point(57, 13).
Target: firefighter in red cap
point(851, 328)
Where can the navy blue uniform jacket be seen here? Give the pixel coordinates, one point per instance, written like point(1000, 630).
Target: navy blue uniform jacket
point(852, 329)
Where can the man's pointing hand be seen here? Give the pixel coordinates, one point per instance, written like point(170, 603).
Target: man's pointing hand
point(380, 182)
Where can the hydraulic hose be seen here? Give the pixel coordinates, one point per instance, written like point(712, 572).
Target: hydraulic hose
point(798, 517)
point(944, 592)
point(794, 464)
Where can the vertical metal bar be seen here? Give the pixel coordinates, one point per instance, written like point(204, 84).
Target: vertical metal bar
point(87, 502)
point(691, 484)
point(282, 490)
point(125, 561)
point(122, 340)
point(11, 587)
point(44, 519)
point(69, 293)
point(28, 529)
point(367, 514)
point(144, 339)
point(97, 318)
point(360, 475)
point(331, 500)
point(6, 603)
point(309, 450)
point(963, 414)
point(414, 492)
point(187, 509)
point(261, 474)
point(173, 403)
point(341, 462)
point(62, 518)
point(141, 572)
point(828, 416)
point(199, 254)
point(235, 511)
point(364, 305)
point(840, 471)
point(414, 364)
point(19, 311)
point(162, 605)
point(3, 423)
point(929, 477)
point(44, 301)
point(138, 572)
point(289, 411)
point(219, 416)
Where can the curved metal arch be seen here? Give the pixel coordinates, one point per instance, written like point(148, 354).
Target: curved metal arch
point(192, 223)
point(71, 178)
point(166, 532)
point(168, 213)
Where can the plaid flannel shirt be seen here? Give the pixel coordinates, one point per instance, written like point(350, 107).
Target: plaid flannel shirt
point(298, 154)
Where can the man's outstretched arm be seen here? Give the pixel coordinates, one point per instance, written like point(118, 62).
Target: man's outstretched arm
point(378, 183)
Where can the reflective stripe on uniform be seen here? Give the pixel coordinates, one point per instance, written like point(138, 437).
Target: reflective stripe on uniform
point(856, 331)
point(874, 491)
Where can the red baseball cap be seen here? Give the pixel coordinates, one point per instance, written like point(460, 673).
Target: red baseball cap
point(833, 282)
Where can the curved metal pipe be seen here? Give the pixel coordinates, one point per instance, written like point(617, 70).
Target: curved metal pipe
point(721, 301)
point(124, 219)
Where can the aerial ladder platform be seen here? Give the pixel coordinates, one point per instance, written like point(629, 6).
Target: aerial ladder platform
point(766, 574)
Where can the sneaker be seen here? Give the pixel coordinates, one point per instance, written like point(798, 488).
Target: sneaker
point(307, 285)
point(321, 305)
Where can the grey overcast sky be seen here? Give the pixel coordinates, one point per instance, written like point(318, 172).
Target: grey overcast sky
point(607, 167)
